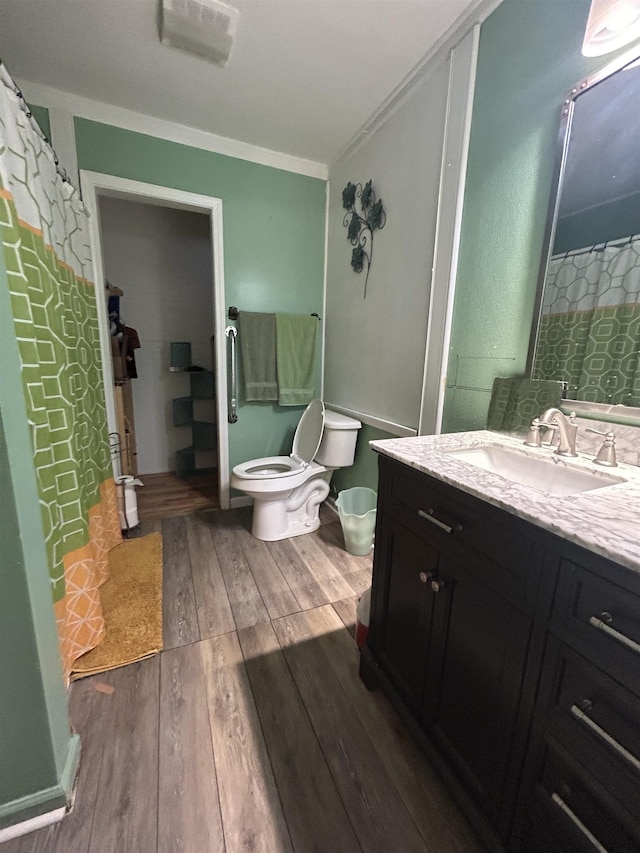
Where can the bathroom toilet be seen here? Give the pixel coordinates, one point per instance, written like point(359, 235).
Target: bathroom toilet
point(287, 490)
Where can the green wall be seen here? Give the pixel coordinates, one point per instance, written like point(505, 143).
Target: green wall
point(38, 754)
point(41, 115)
point(273, 242)
point(27, 748)
point(529, 57)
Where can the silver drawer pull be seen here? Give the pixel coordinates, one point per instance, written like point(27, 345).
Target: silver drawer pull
point(615, 635)
point(428, 514)
point(605, 736)
point(557, 799)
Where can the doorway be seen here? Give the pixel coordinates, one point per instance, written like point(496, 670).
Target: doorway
point(162, 250)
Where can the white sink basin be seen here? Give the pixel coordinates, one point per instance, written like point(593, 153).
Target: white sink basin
point(547, 474)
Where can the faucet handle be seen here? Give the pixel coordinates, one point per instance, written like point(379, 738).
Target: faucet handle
point(607, 454)
point(534, 437)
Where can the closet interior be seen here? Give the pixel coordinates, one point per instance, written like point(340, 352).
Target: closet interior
point(158, 269)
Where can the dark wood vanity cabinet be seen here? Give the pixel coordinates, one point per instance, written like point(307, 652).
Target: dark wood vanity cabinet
point(482, 634)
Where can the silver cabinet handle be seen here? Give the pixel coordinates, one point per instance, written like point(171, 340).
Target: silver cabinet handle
point(597, 622)
point(232, 402)
point(605, 736)
point(428, 514)
point(573, 817)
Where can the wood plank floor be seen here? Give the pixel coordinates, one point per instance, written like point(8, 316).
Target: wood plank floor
point(251, 731)
point(165, 494)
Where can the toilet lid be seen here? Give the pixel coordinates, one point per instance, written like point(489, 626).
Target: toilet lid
point(308, 435)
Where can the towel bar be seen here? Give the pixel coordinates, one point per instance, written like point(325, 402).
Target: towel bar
point(233, 313)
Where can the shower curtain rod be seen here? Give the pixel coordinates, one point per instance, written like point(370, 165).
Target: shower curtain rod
point(7, 80)
point(616, 243)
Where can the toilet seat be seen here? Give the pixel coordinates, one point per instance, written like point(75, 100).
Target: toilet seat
point(267, 468)
point(306, 442)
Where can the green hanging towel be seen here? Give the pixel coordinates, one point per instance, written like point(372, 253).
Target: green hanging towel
point(258, 348)
point(296, 336)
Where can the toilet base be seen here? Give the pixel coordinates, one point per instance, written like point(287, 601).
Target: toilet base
point(267, 533)
point(294, 515)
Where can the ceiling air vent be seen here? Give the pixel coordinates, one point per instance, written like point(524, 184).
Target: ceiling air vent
point(201, 27)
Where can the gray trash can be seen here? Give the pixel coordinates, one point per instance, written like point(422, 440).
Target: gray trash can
point(357, 511)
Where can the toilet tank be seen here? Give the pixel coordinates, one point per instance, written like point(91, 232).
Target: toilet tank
point(338, 445)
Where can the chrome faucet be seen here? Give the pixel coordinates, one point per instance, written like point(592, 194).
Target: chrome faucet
point(555, 419)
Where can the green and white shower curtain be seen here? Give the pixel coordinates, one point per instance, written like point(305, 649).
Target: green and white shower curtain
point(43, 227)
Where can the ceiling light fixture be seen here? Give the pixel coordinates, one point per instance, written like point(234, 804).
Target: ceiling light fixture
point(612, 24)
point(202, 27)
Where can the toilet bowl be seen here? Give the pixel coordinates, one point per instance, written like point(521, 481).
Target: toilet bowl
point(287, 490)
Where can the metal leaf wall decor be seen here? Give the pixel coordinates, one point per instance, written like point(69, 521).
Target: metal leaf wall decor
point(359, 224)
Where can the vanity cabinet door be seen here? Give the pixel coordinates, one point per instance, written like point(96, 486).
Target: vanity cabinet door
point(479, 647)
point(402, 612)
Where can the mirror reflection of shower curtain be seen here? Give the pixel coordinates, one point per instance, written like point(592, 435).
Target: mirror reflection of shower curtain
point(590, 327)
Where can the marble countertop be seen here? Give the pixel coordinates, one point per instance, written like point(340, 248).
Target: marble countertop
point(605, 520)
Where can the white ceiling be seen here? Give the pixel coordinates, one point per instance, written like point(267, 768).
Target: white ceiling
point(303, 77)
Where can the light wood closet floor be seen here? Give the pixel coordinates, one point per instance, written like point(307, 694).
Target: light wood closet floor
point(166, 494)
point(251, 731)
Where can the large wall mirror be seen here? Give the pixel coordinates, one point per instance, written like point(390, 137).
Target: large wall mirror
point(586, 329)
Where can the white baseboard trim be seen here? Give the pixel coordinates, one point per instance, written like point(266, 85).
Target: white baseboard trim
point(25, 826)
point(236, 503)
point(330, 503)
point(35, 804)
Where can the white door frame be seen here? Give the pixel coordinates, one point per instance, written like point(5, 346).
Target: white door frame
point(94, 185)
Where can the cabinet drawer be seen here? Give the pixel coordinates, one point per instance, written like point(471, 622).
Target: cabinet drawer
point(449, 518)
point(600, 619)
point(596, 720)
point(571, 812)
